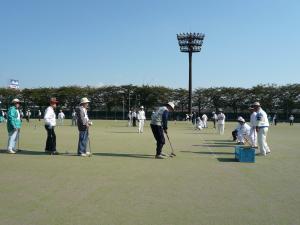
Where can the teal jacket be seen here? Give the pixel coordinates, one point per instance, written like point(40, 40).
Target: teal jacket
point(12, 119)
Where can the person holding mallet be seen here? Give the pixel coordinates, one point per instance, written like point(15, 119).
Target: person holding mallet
point(13, 126)
point(83, 124)
point(50, 123)
point(159, 126)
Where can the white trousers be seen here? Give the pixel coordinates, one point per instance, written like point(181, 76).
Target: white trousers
point(262, 141)
point(205, 123)
point(13, 138)
point(141, 126)
point(221, 128)
point(253, 137)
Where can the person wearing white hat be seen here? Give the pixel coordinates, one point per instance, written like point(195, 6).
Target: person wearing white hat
point(50, 123)
point(159, 126)
point(262, 128)
point(243, 131)
point(83, 123)
point(221, 122)
point(13, 126)
point(253, 133)
point(141, 118)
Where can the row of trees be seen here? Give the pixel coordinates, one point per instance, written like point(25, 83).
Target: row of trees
point(274, 98)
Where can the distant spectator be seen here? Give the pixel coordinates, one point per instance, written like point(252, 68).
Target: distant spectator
point(291, 119)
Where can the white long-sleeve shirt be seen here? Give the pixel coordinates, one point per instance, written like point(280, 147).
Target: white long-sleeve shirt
point(50, 117)
point(221, 118)
point(141, 115)
point(262, 118)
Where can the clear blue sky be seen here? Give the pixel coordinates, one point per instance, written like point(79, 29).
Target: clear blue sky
point(95, 42)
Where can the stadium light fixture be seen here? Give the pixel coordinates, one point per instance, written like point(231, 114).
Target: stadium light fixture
point(190, 43)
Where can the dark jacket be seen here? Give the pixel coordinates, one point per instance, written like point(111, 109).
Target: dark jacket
point(81, 120)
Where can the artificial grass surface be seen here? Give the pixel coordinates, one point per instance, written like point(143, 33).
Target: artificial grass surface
point(123, 184)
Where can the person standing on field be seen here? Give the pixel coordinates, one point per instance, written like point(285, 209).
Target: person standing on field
point(74, 118)
point(204, 120)
point(50, 123)
point(28, 114)
point(262, 127)
point(159, 126)
point(129, 119)
point(13, 126)
point(39, 115)
point(221, 122)
point(61, 117)
point(133, 118)
point(141, 118)
point(291, 119)
point(83, 124)
point(214, 118)
point(253, 133)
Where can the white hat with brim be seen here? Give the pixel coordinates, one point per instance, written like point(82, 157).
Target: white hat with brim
point(171, 104)
point(15, 101)
point(256, 104)
point(241, 119)
point(141, 107)
point(84, 100)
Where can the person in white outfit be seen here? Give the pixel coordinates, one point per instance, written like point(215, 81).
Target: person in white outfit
point(243, 131)
point(291, 120)
point(221, 122)
point(204, 120)
point(141, 118)
point(61, 117)
point(129, 119)
point(199, 123)
point(262, 128)
point(253, 133)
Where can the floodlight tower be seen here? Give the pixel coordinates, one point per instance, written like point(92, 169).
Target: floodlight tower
point(190, 43)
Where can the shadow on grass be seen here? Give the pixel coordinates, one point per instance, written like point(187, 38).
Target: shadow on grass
point(26, 152)
point(214, 145)
point(123, 132)
point(209, 153)
point(228, 141)
point(226, 159)
point(126, 155)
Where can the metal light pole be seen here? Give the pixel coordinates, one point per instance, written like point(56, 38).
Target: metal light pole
point(190, 43)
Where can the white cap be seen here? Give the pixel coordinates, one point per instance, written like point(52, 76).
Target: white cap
point(256, 104)
point(241, 119)
point(171, 104)
point(84, 100)
point(15, 101)
point(142, 107)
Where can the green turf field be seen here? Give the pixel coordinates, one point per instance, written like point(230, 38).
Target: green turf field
point(123, 185)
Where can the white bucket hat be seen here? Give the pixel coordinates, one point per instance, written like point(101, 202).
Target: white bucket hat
point(142, 107)
point(241, 119)
point(171, 104)
point(84, 100)
point(15, 101)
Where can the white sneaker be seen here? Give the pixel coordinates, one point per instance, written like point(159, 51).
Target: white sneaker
point(160, 157)
point(11, 151)
point(83, 155)
point(88, 153)
point(163, 154)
